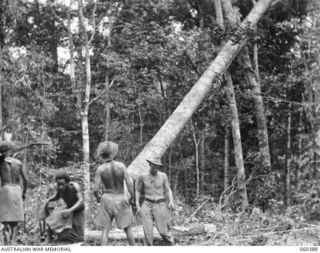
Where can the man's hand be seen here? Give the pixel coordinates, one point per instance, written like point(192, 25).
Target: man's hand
point(171, 206)
point(138, 210)
point(65, 213)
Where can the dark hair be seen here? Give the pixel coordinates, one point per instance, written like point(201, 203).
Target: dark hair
point(63, 175)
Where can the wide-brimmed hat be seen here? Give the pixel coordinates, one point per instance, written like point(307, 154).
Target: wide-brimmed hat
point(107, 151)
point(156, 161)
point(6, 146)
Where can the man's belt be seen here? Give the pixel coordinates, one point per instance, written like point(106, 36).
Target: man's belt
point(155, 201)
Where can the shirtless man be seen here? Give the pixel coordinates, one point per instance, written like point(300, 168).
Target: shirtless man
point(71, 194)
point(114, 203)
point(11, 197)
point(156, 191)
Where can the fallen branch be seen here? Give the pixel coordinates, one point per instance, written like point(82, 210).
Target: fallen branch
point(224, 193)
point(197, 210)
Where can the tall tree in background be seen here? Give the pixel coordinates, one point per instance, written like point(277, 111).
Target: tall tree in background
point(86, 102)
point(253, 81)
point(3, 8)
point(235, 124)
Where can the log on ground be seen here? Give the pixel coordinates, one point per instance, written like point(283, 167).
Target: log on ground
point(191, 229)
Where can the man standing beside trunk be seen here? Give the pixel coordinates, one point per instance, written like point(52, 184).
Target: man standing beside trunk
point(158, 199)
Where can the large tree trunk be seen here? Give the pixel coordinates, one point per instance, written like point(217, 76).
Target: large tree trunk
point(252, 77)
point(158, 145)
point(235, 124)
point(84, 115)
point(1, 84)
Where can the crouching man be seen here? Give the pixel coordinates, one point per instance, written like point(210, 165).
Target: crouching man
point(68, 223)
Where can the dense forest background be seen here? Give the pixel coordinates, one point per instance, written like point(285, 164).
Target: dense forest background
point(75, 73)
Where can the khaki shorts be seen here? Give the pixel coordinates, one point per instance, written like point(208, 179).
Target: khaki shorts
point(114, 206)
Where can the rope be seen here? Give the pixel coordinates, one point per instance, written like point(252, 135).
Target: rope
point(274, 99)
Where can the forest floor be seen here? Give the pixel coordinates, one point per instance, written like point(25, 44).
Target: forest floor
point(288, 228)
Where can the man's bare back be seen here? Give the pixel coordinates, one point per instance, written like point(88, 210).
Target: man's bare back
point(112, 175)
point(11, 171)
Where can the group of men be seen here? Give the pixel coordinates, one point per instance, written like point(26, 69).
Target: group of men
point(153, 187)
point(151, 193)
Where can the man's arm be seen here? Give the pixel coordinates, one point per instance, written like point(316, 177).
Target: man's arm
point(79, 196)
point(138, 191)
point(97, 182)
point(167, 190)
point(25, 181)
point(128, 181)
point(54, 198)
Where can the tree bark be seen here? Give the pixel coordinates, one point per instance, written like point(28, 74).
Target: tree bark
point(252, 77)
point(158, 145)
point(107, 112)
point(288, 160)
point(226, 158)
point(196, 145)
point(235, 124)
point(84, 115)
point(2, 43)
point(74, 87)
point(1, 84)
point(316, 129)
point(300, 128)
point(202, 159)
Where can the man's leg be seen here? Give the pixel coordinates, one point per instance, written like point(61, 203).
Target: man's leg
point(130, 235)
point(104, 236)
point(146, 217)
point(14, 230)
point(7, 233)
point(48, 238)
point(78, 223)
point(161, 215)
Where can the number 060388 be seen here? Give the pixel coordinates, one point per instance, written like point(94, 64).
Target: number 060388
point(309, 249)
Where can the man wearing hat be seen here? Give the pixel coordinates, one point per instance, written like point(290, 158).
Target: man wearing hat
point(11, 196)
point(113, 203)
point(158, 200)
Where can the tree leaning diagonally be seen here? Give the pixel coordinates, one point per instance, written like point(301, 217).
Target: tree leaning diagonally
point(158, 145)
